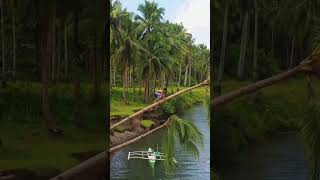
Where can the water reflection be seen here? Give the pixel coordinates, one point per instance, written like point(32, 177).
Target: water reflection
point(187, 169)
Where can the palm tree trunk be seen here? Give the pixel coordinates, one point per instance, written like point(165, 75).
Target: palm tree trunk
point(292, 53)
point(243, 48)
point(223, 50)
point(53, 65)
point(14, 55)
point(272, 43)
point(96, 71)
point(2, 41)
point(255, 48)
point(146, 91)
point(114, 75)
point(59, 52)
point(223, 99)
point(156, 104)
point(124, 79)
point(186, 75)
point(76, 73)
point(45, 43)
point(190, 75)
point(179, 79)
point(154, 84)
point(66, 61)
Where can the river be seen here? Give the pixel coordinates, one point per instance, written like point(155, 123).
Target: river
point(278, 158)
point(187, 168)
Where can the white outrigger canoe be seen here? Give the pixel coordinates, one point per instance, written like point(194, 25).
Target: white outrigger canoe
point(150, 155)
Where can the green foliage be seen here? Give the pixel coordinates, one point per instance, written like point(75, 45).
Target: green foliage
point(147, 123)
point(267, 65)
point(189, 137)
point(253, 118)
point(120, 129)
point(168, 108)
point(180, 103)
point(26, 143)
point(309, 131)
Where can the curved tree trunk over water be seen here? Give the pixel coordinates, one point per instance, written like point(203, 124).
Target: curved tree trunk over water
point(101, 159)
point(306, 66)
point(206, 82)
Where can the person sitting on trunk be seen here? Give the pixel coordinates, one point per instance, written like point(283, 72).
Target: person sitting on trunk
point(160, 94)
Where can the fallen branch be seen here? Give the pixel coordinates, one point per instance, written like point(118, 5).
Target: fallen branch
point(206, 82)
point(96, 160)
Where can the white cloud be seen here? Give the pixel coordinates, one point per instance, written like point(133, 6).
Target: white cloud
point(195, 16)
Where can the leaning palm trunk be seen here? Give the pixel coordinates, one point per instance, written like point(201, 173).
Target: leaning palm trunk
point(99, 159)
point(308, 65)
point(206, 82)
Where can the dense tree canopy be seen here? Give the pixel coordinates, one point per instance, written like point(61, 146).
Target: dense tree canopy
point(148, 51)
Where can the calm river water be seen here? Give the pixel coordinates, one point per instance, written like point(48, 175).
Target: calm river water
point(187, 169)
point(279, 158)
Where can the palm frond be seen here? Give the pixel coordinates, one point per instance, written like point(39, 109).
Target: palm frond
point(189, 137)
point(309, 131)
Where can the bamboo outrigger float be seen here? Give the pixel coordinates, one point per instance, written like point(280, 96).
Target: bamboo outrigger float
point(150, 155)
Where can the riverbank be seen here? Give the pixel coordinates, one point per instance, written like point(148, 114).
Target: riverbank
point(254, 118)
point(26, 144)
point(187, 168)
point(154, 118)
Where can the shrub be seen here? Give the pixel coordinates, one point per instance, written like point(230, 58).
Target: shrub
point(147, 123)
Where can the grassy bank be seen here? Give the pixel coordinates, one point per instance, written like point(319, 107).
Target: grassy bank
point(135, 100)
point(253, 118)
point(26, 143)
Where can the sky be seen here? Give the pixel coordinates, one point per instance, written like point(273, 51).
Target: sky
point(193, 14)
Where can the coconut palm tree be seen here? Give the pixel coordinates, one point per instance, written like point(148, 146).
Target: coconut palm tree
point(150, 19)
point(245, 7)
point(149, 25)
